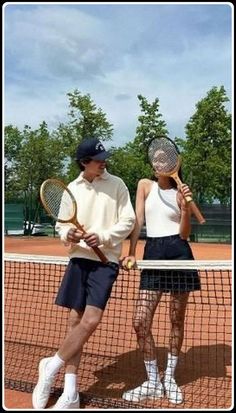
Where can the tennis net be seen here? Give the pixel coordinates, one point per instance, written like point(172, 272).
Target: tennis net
point(112, 363)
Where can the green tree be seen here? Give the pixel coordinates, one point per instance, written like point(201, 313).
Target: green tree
point(206, 151)
point(131, 161)
point(150, 121)
point(12, 147)
point(31, 156)
point(85, 121)
point(129, 165)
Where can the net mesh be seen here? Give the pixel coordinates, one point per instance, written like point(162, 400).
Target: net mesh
point(163, 155)
point(112, 363)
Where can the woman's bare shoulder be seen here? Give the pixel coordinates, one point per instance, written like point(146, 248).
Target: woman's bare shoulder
point(144, 186)
point(145, 182)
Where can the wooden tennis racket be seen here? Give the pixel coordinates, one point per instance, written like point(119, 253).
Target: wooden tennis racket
point(165, 158)
point(60, 203)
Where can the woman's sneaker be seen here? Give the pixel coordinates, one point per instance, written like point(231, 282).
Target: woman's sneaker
point(147, 389)
point(172, 391)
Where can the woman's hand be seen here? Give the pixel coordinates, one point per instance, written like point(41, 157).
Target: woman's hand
point(184, 191)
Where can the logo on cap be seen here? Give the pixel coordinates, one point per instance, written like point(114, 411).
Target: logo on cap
point(99, 147)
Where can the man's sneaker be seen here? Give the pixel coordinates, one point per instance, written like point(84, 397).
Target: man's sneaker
point(63, 403)
point(172, 391)
point(146, 389)
point(42, 390)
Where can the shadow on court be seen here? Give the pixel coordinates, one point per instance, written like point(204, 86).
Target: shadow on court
point(128, 371)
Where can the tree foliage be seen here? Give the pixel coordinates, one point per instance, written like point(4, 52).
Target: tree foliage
point(206, 151)
point(131, 162)
point(85, 121)
point(13, 138)
point(129, 165)
point(150, 121)
point(31, 156)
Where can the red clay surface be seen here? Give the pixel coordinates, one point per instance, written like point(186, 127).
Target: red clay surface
point(53, 246)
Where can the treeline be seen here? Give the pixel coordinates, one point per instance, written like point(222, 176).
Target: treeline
point(31, 156)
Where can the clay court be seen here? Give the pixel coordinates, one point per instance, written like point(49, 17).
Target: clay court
point(207, 342)
point(53, 246)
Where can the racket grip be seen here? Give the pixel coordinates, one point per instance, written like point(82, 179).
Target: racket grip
point(188, 198)
point(97, 251)
point(195, 210)
point(100, 254)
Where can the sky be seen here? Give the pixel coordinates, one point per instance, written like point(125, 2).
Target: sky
point(175, 52)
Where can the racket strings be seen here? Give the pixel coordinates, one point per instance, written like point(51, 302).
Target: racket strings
point(58, 201)
point(163, 155)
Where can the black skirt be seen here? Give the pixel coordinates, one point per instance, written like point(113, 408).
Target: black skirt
point(169, 248)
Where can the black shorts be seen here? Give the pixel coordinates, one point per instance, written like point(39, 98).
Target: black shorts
point(169, 248)
point(86, 282)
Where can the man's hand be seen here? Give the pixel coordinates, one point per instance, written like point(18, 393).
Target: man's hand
point(92, 240)
point(74, 235)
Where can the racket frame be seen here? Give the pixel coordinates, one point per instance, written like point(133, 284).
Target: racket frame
point(174, 174)
point(72, 220)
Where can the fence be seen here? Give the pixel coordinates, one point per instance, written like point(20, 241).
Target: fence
point(218, 225)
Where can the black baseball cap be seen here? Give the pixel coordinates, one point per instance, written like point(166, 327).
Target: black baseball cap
point(92, 148)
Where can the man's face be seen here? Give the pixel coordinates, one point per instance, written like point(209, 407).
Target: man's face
point(95, 167)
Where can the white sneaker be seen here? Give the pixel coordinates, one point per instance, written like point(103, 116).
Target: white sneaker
point(42, 390)
point(63, 403)
point(146, 389)
point(172, 391)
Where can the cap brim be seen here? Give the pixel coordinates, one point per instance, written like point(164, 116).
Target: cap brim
point(101, 156)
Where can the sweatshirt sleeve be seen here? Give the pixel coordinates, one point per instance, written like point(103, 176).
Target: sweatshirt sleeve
point(62, 230)
point(125, 221)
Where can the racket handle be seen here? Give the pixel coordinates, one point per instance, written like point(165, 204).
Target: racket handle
point(97, 251)
point(100, 254)
point(195, 210)
point(188, 198)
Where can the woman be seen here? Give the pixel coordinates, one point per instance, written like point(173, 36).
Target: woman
point(167, 216)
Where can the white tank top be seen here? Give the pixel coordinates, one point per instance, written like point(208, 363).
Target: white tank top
point(162, 213)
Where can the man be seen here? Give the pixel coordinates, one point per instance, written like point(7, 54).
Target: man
point(105, 210)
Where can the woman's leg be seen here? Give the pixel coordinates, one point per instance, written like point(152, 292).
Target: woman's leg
point(178, 303)
point(142, 321)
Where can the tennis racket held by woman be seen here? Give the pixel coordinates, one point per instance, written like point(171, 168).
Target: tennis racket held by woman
point(60, 203)
point(165, 159)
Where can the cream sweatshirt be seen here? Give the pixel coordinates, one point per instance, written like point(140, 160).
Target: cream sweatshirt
point(104, 208)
